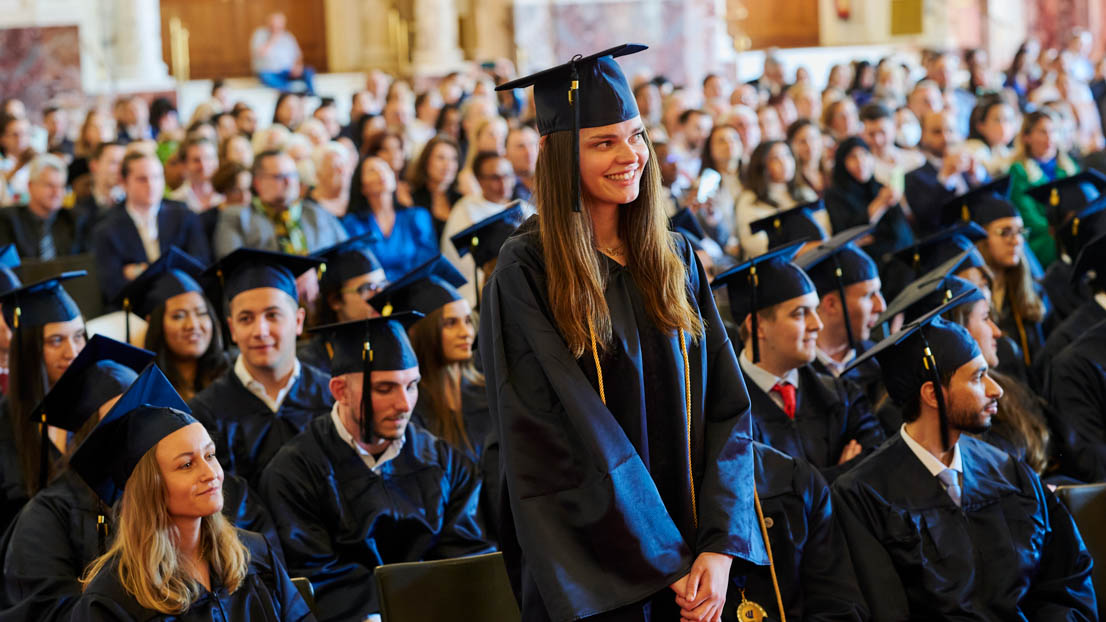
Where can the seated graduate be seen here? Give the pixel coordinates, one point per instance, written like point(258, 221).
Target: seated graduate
point(850, 300)
point(903, 267)
point(174, 556)
point(453, 404)
point(351, 274)
point(182, 327)
point(50, 333)
point(810, 557)
point(268, 396)
point(797, 410)
point(483, 241)
point(365, 486)
point(1069, 203)
point(932, 506)
point(793, 225)
point(63, 527)
point(1076, 384)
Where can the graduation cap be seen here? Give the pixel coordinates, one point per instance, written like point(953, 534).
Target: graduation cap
point(1092, 259)
point(588, 91)
point(838, 263)
point(375, 344)
point(9, 259)
point(1070, 194)
point(174, 273)
point(424, 289)
point(934, 288)
point(938, 248)
point(484, 239)
point(790, 225)
point(917, 354)
point(346, 260)
point(41, 303)
point(761, 282)
point(252, 268)
point(983, 204)
point(149, 411)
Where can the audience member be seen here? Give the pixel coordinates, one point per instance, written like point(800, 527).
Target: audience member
point(854, 198)
point(770, 187)
point(276, 57)
point(200, 162)
point(41, 228)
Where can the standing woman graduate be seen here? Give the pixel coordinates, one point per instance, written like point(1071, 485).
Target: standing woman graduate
point(627, 473)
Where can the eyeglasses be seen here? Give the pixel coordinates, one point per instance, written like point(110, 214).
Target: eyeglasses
point(366, 290)
point(1008, 233)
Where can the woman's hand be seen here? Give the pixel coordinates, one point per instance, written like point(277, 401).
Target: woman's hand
point(886, 198)
point(704, 593)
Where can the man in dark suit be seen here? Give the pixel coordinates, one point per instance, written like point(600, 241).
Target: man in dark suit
point(133, 234)
point(948, 171)
point(41, 229)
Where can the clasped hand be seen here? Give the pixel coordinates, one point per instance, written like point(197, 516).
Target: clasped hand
point(701, 593)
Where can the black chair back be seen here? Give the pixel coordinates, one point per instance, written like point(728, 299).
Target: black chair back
point(465, 589)
point(1087, 504)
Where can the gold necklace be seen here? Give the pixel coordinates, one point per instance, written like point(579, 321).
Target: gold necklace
point(613, 250)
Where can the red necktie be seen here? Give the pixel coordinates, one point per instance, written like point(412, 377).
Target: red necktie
point(787, 394)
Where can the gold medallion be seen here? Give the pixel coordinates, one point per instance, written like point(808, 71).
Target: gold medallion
point(748, 610)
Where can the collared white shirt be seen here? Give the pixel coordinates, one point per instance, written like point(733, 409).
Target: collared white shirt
point(765, 379)
point(258, 389)
point(931, 462)
point(833, 365)
point(147, 229)
point(375, 464)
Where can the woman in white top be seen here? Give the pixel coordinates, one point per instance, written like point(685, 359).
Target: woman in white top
point(770, 187)
point(994, 124)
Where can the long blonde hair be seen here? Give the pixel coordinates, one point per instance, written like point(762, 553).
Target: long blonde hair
point(576, 287)
point(149, 567)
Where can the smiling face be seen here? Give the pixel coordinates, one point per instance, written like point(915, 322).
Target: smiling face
point(191, 473)
point(612, 159)
point(264, 323)
point(865, 304)
point(458, 331)
point(789, 336)
point(187, 324)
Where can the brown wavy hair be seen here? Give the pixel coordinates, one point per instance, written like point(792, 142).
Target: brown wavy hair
point(1021, 293)
point(149, 568)
point(439, 379)
point(568, 241)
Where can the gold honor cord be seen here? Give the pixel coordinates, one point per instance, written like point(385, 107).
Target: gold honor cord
point(1021, 334)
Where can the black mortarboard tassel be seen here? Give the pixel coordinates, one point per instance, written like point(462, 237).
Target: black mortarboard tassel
point(424, 289)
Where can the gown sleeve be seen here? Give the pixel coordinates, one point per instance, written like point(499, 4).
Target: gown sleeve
point(462, 530)
point(1077, 388)
point(1062, 589)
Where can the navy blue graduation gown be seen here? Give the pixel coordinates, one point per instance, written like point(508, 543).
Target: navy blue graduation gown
point(867, 376)
point(1081, 318)
point(813, 567)
point(1076, 389)
point(474, 415)
point(247, 433)
point(1064, 295)
point(1011, 552)
point(313, 352)
point(338, 520)
point(265, 595)
point(13, 490)
point(596, 503)
point(829, 413)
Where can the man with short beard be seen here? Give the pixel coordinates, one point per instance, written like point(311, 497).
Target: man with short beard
point(365, 486)
point(943, 526)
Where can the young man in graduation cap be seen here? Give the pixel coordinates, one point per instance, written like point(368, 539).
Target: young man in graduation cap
point(365, 486)
point(1076, 383)
point(350, 275)
point(1073, 208)
point(796, 409)
point(850, 300)
point(942, 525)
point(268, 396)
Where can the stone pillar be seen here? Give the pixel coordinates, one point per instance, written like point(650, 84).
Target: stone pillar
point(436, 43)
point(138, 64)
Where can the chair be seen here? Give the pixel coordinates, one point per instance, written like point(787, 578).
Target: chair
point(465, 589)
point(1087, 504)
point(307, 591)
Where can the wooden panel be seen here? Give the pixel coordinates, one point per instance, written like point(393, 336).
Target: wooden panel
point(781, 23)
point(220, 30)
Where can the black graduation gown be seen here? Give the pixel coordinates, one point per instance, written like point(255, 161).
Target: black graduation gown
point(338, 520)
point(1081, 318)
point(866, 376)
point(596, 500)
point(828, 415)
point(313, 352)
point(474, 415)
point(247, 434)
point(1076, 390)
point(13, 492)
point(1064, 295)
point(813, 566)
point(265, 595)
point(1011, 552)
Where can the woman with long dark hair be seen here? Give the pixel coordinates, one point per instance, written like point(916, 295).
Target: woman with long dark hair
point(612, 379)
point(771, 186)
point(722, 152)
point(432, 180)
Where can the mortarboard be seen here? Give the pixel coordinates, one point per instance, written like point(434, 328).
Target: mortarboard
point(938, 248)
point(379, 344)
point(346, 260)
point(963, 208)
point(791, 225)
point(932, 289)
point(587, 91)
point(917, 354)
point(251, 268)
point(484, 239)
point(41, 303)
point(761, 282)
point(1069, 195)
point(1092, 258)
point(9, 259)
point(174, 273)
point(424, 289)
point(1079, 228)
point(149, 411)
point(838, 263)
